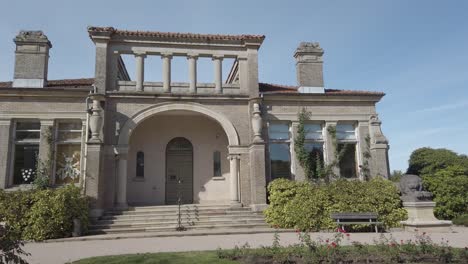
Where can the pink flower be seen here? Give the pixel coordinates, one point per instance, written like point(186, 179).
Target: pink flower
point(347, 235)
point(333, 244)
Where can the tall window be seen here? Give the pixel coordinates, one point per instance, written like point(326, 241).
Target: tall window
point(68, 152)
point(279, 149)
point(140, 164)
point(217, 164)
point(27, 136)
point(346, 137)
point(314, 145)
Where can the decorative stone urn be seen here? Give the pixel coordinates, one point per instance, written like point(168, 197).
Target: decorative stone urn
point(96, 119)
point(420, 207)
point(257, 123)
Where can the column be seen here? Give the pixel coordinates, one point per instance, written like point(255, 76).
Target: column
point(218, 73)
point(234, 178)
point(140, 70)
point(166, 74)
point(192, 72)
point(122, 177)
point(5, 130)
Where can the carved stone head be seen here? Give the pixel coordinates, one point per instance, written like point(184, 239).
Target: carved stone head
point(411, 188)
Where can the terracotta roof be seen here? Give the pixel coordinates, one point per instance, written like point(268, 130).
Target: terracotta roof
point(268, 88)
point(70, 83)
point(159, 34)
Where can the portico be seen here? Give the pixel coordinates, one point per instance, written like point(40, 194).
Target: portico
point(149, 132)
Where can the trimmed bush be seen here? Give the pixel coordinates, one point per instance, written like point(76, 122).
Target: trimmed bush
point(307, 206)
point(43, 214)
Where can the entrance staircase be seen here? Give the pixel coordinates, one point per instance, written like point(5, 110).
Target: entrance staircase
point(166, 218)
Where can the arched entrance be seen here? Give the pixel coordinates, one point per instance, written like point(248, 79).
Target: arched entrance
point(179, 171)
point(163, 122)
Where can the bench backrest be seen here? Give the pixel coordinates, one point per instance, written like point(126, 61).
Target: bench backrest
point(366, 215)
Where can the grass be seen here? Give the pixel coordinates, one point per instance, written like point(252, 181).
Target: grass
point(160, 258)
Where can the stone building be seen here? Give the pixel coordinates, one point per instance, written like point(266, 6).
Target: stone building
point(128, 141)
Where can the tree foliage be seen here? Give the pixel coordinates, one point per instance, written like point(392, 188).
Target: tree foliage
point(425, 161)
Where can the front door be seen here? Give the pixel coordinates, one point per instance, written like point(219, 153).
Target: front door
point(179, 171)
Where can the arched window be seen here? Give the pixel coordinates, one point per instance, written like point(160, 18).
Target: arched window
point(140, 164)
point(217, 164)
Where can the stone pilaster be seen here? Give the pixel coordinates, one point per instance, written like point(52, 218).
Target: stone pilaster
point(5, 152)
point(363, 162)
point(257, 176)
point(378, 149)
point(93, 188)
point(298, 171)
point(46, 146)
point(329, 152)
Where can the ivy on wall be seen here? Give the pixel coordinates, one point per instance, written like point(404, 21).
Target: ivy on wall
point(313, 165)
point(44, 166)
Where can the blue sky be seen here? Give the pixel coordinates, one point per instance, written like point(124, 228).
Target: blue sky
point(414, 51)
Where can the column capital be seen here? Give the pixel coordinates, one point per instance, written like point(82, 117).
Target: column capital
point(217, 57)
point(5, 122)
point(121, 150)
point(233, 157)
point(140, 54)
point(167, 55)
point(193, 56)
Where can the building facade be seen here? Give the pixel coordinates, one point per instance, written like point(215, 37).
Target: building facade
point(128, 141)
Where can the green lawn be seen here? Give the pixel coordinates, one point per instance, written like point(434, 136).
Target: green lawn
point(160, 258)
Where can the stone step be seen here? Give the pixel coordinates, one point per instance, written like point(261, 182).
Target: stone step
point(167, 210)
point(230, 212)
point(168, 229)
point(172, 215)
point(200, 206)
point(111, 224)
point(147, 218)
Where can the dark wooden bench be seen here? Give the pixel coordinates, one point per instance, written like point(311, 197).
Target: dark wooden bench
point(367, 218)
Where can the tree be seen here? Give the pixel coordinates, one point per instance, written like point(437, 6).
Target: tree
point(450, 189)
point(10, 247)
point(424, 161)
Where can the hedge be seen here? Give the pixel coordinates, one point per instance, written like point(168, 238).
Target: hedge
point(43, 214)
point(307, 206)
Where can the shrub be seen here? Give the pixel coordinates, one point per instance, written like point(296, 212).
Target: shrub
point(44, 214)
point(450, 189)
point(307, 206)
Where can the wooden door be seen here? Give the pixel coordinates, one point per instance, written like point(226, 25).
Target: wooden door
point(179, 171)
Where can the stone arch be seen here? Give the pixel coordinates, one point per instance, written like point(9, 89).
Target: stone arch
point(142, 115)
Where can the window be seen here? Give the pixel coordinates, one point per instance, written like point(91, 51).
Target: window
point(140, 164)
point(346, 137)
point(314, 145)
point(217, 164)
point(27, 137)
point(279, 149)
point(68, 152)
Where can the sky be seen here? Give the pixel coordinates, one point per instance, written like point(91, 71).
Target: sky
point(414, 51)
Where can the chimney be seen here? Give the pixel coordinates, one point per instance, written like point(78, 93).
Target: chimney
point(31, 59)
point(309, 67)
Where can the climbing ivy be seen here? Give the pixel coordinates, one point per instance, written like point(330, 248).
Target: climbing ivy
point(313, 165)
point(44, 166)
